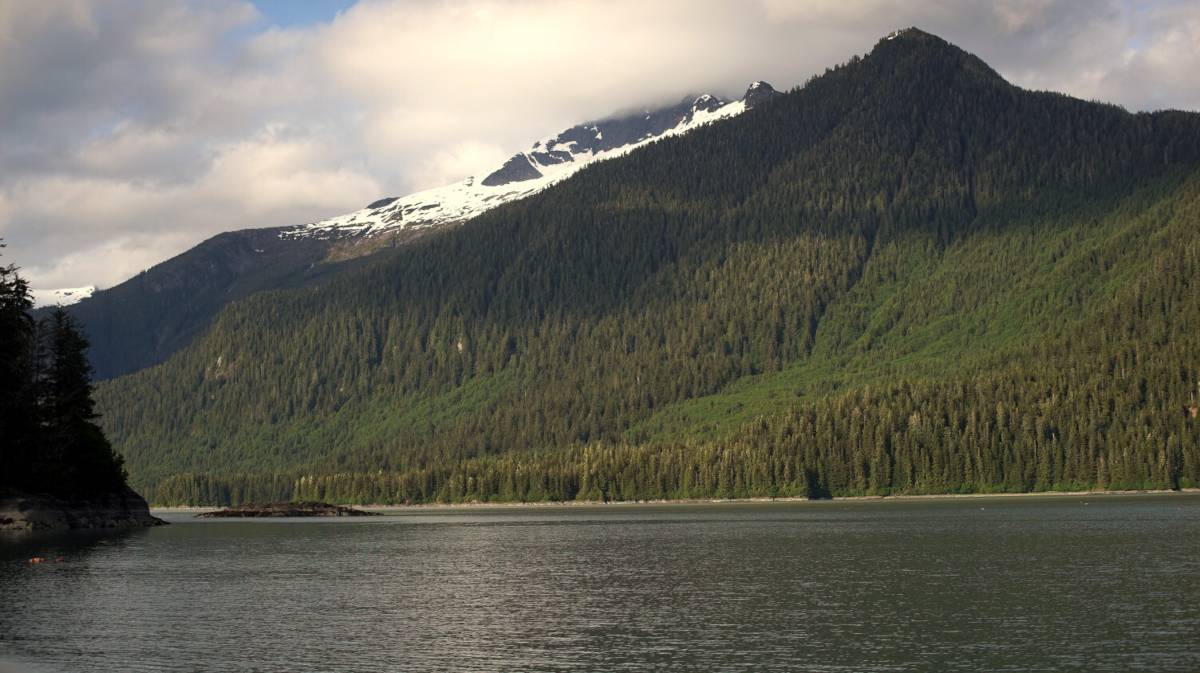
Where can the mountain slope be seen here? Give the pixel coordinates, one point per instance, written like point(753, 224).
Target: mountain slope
point(144, 320)
point(921, 275)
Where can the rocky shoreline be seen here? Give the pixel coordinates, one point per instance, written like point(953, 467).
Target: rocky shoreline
point(284, 509)
point(39, 512)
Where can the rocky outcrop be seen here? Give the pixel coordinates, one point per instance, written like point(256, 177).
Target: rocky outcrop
point(383, 202)
point(26, 512)
point(281, 509)
point(516, 169)
point(760, 92)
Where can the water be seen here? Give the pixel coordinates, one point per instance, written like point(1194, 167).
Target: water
point(1005, 584)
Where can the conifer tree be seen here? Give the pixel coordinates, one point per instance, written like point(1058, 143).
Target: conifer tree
point(49, 439)
point(76, 445)
point(16, 335)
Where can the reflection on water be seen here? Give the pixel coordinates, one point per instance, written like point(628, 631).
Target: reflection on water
point(1097, 584)
point(65, 571)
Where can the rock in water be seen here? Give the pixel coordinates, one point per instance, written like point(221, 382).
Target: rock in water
point(281, 509)
point(121, 509)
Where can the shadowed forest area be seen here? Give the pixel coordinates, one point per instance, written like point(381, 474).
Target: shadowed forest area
point(49, 441)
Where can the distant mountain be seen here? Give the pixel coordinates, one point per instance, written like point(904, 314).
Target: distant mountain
point(142, 321)
point(906, 276)
point(62, 296)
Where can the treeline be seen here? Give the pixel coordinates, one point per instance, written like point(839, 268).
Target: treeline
point(1075, 426)
point(1113, 403)
point(899, 229)
point(49, 439)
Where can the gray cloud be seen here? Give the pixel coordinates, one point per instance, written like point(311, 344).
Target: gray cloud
point(132, 130)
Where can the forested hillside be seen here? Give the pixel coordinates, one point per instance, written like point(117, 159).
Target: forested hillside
point(145, 319)
point(905, 276)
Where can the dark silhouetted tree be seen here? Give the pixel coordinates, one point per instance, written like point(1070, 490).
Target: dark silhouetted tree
point(49, 440)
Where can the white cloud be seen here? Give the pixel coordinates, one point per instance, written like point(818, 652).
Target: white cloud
point(273, 178)
point(134, 130)
point(460, 159)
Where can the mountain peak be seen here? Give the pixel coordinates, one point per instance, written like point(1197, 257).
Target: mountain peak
point(707, 103)
point(381, 202)
point(758, 92)
point(912, 32)
point(62, 296)
point(913, 42)
point(516, 169)
point(915, 36)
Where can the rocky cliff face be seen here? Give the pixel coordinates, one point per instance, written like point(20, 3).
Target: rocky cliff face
point(125, 509)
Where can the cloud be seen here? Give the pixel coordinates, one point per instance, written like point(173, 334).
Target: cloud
point(133, 130)
point(276, 176)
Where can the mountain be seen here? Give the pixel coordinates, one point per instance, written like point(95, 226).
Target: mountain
point(907, 276)
point(144, 320)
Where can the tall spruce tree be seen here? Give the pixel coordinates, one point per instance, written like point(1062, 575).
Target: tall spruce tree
point(49, 440)
point(75, 447)
point(16, 337)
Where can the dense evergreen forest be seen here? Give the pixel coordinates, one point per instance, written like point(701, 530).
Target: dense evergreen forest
point(49, 441)
point(905, 276)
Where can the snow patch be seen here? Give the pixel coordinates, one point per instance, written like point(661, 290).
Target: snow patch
point(64, 296)
point(464, 200)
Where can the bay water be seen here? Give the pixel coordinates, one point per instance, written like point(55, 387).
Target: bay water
point(1068, 583)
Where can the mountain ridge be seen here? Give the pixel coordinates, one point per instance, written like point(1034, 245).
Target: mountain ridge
point(547, 162)
point(142, 321)
point(923, 277)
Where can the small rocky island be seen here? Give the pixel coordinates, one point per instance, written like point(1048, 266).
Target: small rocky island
point(120, 508)
point(282, 509)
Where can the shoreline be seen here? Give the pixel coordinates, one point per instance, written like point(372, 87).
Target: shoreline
point(375, 507)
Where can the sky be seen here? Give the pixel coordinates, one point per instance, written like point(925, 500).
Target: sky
point(133, 129)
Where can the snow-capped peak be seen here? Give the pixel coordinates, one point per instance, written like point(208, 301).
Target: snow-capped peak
point(63, 296)
point(911, 30)
point(548, 161)
point(758, 93)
